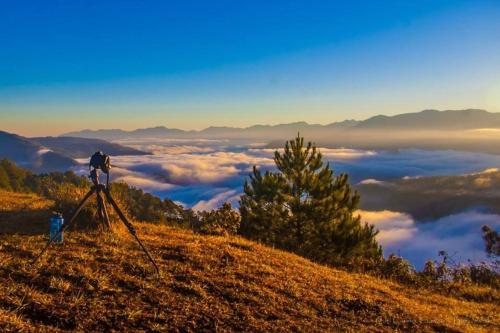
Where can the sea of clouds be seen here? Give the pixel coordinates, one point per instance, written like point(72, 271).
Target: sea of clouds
point(459, 235)
point(203, 174)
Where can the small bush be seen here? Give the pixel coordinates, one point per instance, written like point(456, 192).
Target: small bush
point(468, 281)
point(491, 241)
point(485, 274)
point(397, 268)
point(223, 221)
point(430, 272)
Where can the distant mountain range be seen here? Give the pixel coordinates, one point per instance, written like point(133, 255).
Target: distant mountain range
point(216, 132)
point(434, 120)
point(427, 120)
point(55, 153)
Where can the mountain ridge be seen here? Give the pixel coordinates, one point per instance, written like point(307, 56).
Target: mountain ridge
point(424, 120)
point(434, 119)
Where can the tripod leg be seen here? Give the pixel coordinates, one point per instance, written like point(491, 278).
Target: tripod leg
point(66, 225)
point(130, 227)
point(101, 208)
point(105, 214)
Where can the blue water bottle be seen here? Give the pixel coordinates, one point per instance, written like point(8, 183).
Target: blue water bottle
point(56, 223)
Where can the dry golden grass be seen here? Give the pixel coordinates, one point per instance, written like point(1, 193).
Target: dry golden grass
point(102, 282)
point(23, 213)
point(15, 202)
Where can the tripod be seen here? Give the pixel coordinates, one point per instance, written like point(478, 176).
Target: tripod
point(99, 188)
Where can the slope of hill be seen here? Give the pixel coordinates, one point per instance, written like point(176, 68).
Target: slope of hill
point(83, 147)
point(55, 153)
point(31, 154)
point(96, 282)
point(23, 213)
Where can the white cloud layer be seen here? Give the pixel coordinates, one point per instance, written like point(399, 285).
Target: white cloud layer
point(186, 169)
point(43, 151)
point(371, 181)
point(227, 196)
point(459, 235)
point(329, 153)
point(149, 185)
point(394, 227)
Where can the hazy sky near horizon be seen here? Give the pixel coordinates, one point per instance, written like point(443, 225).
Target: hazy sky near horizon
point(69, 65)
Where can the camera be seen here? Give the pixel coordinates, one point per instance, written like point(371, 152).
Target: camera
point(100, 161)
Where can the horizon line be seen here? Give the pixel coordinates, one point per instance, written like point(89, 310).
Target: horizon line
point(275, 124)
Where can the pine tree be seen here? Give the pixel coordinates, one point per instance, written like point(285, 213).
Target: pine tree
point(304, 208)
point(491, 241)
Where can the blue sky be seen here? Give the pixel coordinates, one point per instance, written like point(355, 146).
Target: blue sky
point(67, 65)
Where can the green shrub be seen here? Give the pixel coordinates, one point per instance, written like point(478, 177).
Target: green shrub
point(397, 268)
point(485, 274)
point(491, 241)
point(222, 222)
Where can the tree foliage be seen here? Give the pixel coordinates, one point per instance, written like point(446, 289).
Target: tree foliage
point(147, 207)
point(304, 208)
point(222, 221)
point(12, 177)
point(491, 241)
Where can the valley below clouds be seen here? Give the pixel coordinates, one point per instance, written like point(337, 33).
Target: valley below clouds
point(203, 174)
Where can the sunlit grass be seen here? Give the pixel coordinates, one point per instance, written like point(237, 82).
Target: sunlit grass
point(96, 282)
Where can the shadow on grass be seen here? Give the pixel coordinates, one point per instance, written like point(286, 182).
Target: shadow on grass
point(33, 222)
point(25, 222)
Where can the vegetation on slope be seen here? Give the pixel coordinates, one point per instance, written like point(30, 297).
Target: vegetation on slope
point(100, 282)
point(66, 189)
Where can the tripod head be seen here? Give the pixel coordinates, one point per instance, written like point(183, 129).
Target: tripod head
point(99, 161)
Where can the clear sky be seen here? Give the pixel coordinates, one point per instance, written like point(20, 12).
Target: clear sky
point(68, 65)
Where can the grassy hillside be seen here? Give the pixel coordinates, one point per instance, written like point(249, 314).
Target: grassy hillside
point(99, 282)
point(23, 213)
